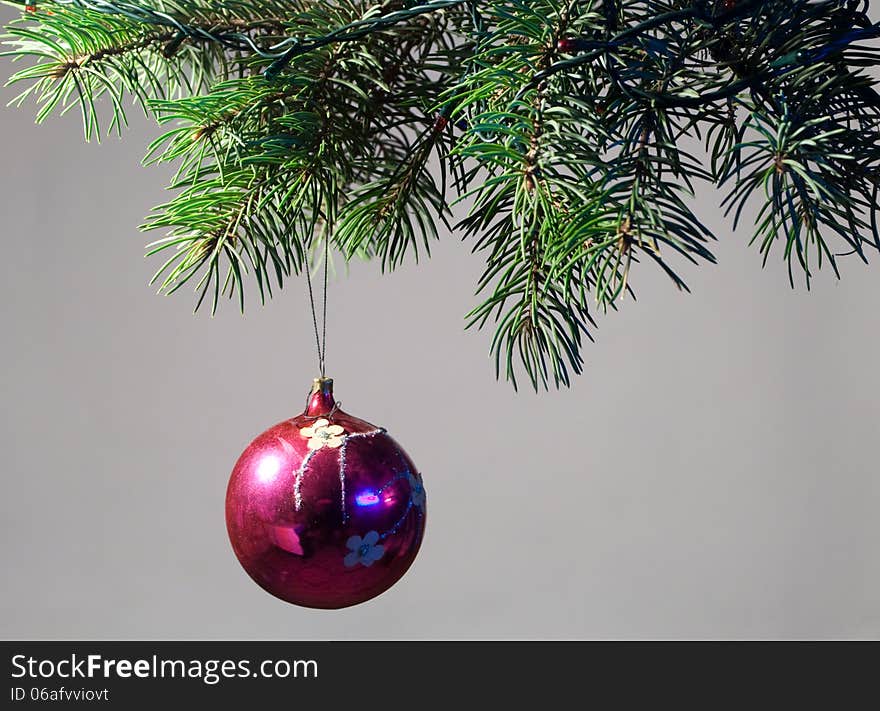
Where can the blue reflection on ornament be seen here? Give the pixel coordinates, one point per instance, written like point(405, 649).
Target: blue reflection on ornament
point(367, 498)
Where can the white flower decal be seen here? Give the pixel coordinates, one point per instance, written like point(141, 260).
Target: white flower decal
point(323, 434)
point(417, 490)
point(366, 550)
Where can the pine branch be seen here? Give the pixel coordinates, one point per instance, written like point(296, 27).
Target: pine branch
point(263, 157)
point(566, 126)
point(85, 53)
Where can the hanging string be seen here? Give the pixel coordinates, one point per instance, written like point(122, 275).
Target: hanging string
point(320, 335)
point(324, 308)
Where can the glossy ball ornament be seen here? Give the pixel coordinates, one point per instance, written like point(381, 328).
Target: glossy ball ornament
point(325, 510)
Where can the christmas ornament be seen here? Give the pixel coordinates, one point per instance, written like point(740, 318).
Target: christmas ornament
point(325, 510)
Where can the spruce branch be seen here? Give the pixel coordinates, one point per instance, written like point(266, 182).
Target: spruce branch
point(567, 127)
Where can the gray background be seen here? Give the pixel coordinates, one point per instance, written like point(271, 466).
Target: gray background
point(713, 474)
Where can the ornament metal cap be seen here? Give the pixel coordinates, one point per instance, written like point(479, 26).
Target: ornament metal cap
point(321, 400)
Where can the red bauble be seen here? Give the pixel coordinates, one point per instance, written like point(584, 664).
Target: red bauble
point(325, 510)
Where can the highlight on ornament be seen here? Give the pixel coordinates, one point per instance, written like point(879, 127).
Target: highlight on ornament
point(325, 510)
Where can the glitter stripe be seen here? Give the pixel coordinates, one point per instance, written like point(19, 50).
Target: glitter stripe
point(356, 435)
point(300, 473)
point(391, 531)
point(342, 478)
point(371, 433)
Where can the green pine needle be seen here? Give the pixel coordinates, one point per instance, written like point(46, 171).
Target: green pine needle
point(561, 132)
